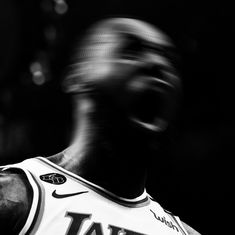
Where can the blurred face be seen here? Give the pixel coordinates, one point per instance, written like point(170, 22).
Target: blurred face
point(109, 65)
point(134, 74)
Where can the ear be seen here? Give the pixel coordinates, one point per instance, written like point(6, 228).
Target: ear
point(74, 86)
point(71, 84)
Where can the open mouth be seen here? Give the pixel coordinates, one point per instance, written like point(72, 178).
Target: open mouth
point(155, 104)
point(148, 106)
point(148, 110)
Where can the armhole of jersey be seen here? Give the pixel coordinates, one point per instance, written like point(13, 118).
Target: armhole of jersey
point(35, 200)
point(180, 224)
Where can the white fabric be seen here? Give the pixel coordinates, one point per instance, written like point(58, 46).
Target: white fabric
point(95, 211)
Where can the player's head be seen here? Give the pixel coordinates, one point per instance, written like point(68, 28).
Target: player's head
point(131, 62)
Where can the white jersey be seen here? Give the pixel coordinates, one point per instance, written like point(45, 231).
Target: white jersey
point(66, 204)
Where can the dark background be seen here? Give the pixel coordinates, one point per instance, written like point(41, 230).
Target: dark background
point(193, 178)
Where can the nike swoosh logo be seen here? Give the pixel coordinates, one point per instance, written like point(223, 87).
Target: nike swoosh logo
point(56, 195)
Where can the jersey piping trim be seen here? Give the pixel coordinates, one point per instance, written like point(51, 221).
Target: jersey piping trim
point(140, 201)
point(40, 208)
point(177, 221)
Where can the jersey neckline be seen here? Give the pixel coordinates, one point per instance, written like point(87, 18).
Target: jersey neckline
point(139, 201)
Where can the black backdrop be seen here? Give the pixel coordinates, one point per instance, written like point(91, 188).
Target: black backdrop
point(193, 178)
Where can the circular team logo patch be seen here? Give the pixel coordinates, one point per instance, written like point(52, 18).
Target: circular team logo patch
point(53, 178)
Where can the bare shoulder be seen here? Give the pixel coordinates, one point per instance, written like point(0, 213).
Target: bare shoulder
point(190, 230)
point(15, 200)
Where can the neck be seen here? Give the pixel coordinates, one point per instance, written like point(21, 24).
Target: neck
point(104, 152)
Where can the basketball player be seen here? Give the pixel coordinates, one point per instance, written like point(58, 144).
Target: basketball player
point(125, 91)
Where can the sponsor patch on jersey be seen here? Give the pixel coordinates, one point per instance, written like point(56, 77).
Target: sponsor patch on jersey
point(53, 178)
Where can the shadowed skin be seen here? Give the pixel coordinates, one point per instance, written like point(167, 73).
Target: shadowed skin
point(105, 150)
point(111, 142)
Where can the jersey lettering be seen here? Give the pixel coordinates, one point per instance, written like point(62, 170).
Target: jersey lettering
point(163, 220)
point(96, 228)
point(77, 220)
point(114, 230)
